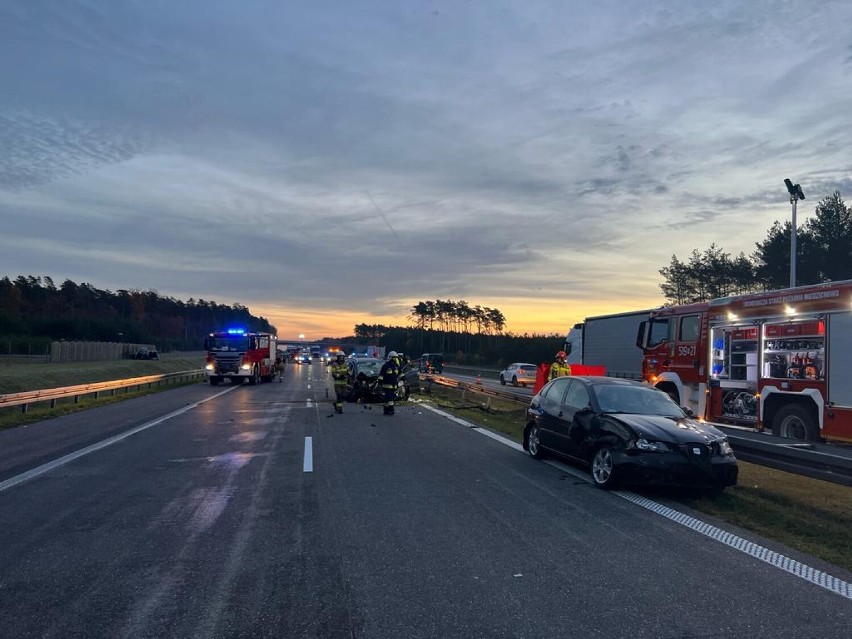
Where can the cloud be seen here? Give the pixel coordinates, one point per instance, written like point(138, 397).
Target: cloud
point(351, 157)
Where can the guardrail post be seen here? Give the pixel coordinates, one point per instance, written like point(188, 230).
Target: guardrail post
point(24, 408)
point(53, 403)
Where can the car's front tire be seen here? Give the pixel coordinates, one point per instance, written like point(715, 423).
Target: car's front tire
point(603, 468)
point(534, 442)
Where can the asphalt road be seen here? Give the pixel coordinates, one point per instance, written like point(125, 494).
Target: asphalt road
point(217, 522)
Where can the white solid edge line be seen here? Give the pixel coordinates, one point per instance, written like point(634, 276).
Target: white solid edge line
point(56, 463)
point(782, 562)
point(308, 464)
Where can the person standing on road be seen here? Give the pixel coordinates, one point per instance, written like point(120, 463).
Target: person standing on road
point(560, 367)
point(389, 379)
point(339, 373)
point(279, 368)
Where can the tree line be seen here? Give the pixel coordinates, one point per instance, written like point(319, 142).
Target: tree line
point(824, 254)
point(33, 308)
point(465, 334)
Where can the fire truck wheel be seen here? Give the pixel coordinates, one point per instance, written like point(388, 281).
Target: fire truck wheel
point(214, 381)
point(793, 422)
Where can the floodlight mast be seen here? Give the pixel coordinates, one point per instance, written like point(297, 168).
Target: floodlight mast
point(796, 194)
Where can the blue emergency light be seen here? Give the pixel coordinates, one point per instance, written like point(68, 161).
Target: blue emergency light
point(236, 331)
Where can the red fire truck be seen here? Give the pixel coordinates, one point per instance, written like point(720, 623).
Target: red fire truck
point(240, 355)
point(779, 360)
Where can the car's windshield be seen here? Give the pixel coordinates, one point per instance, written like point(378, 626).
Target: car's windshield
point(370, 367)
point(639, 400)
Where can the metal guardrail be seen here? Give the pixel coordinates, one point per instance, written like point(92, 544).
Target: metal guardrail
point(26, 398)
point(817, 460)
point(484, 390)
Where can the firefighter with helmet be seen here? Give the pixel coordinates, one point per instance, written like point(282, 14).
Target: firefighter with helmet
point(389, 379)
point(340, 375)
point(560, 367)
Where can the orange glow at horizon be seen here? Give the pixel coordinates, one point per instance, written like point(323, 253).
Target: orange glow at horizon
point(542, 317)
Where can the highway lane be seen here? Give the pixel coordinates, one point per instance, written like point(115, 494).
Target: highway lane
point(208, 525)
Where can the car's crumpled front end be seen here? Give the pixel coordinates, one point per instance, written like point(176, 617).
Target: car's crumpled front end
point(682, 452)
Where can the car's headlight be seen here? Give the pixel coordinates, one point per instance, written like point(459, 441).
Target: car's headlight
point(652, 447)
point(725, 448)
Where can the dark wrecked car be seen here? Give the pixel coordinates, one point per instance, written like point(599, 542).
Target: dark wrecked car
point(363, 382)
point(627, 432)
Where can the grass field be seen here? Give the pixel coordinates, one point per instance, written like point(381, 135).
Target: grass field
point(807, 514)
point(16, 377)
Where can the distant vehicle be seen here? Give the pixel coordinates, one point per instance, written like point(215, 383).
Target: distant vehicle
point(627, 432)
point(431, 363)
point(519, 374)
point(146, 353)
point(608, 341)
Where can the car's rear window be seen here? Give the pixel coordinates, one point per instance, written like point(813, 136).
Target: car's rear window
point(528, 367)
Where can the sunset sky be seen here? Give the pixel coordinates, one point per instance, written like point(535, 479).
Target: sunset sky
point(327, 163)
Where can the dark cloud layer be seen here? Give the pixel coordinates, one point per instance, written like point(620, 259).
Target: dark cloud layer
point(335, 155)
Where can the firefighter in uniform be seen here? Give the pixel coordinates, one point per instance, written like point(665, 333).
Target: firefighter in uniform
point(339, 373)
point(560, 367)
point(389, 378)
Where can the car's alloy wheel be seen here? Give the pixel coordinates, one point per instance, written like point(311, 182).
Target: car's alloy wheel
point(534, 443)
point(603, 468)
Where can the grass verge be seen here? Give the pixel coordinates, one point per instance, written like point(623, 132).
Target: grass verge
point(806, 514)
point(19, 377)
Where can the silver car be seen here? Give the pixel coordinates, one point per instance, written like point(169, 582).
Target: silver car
point(519, 374)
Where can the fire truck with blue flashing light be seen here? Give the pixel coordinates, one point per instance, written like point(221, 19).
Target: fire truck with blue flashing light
point(779, 361)
point(240, 356)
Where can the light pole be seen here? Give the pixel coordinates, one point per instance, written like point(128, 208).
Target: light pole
point(796, 194)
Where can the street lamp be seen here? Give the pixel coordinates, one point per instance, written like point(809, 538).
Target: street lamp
point(796, 194)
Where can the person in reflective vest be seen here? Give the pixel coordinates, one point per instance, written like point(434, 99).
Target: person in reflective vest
point(389, 379)
point(560, 367)
point(340, 374)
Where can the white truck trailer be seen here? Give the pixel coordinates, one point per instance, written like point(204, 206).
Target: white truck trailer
point(610, 341)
